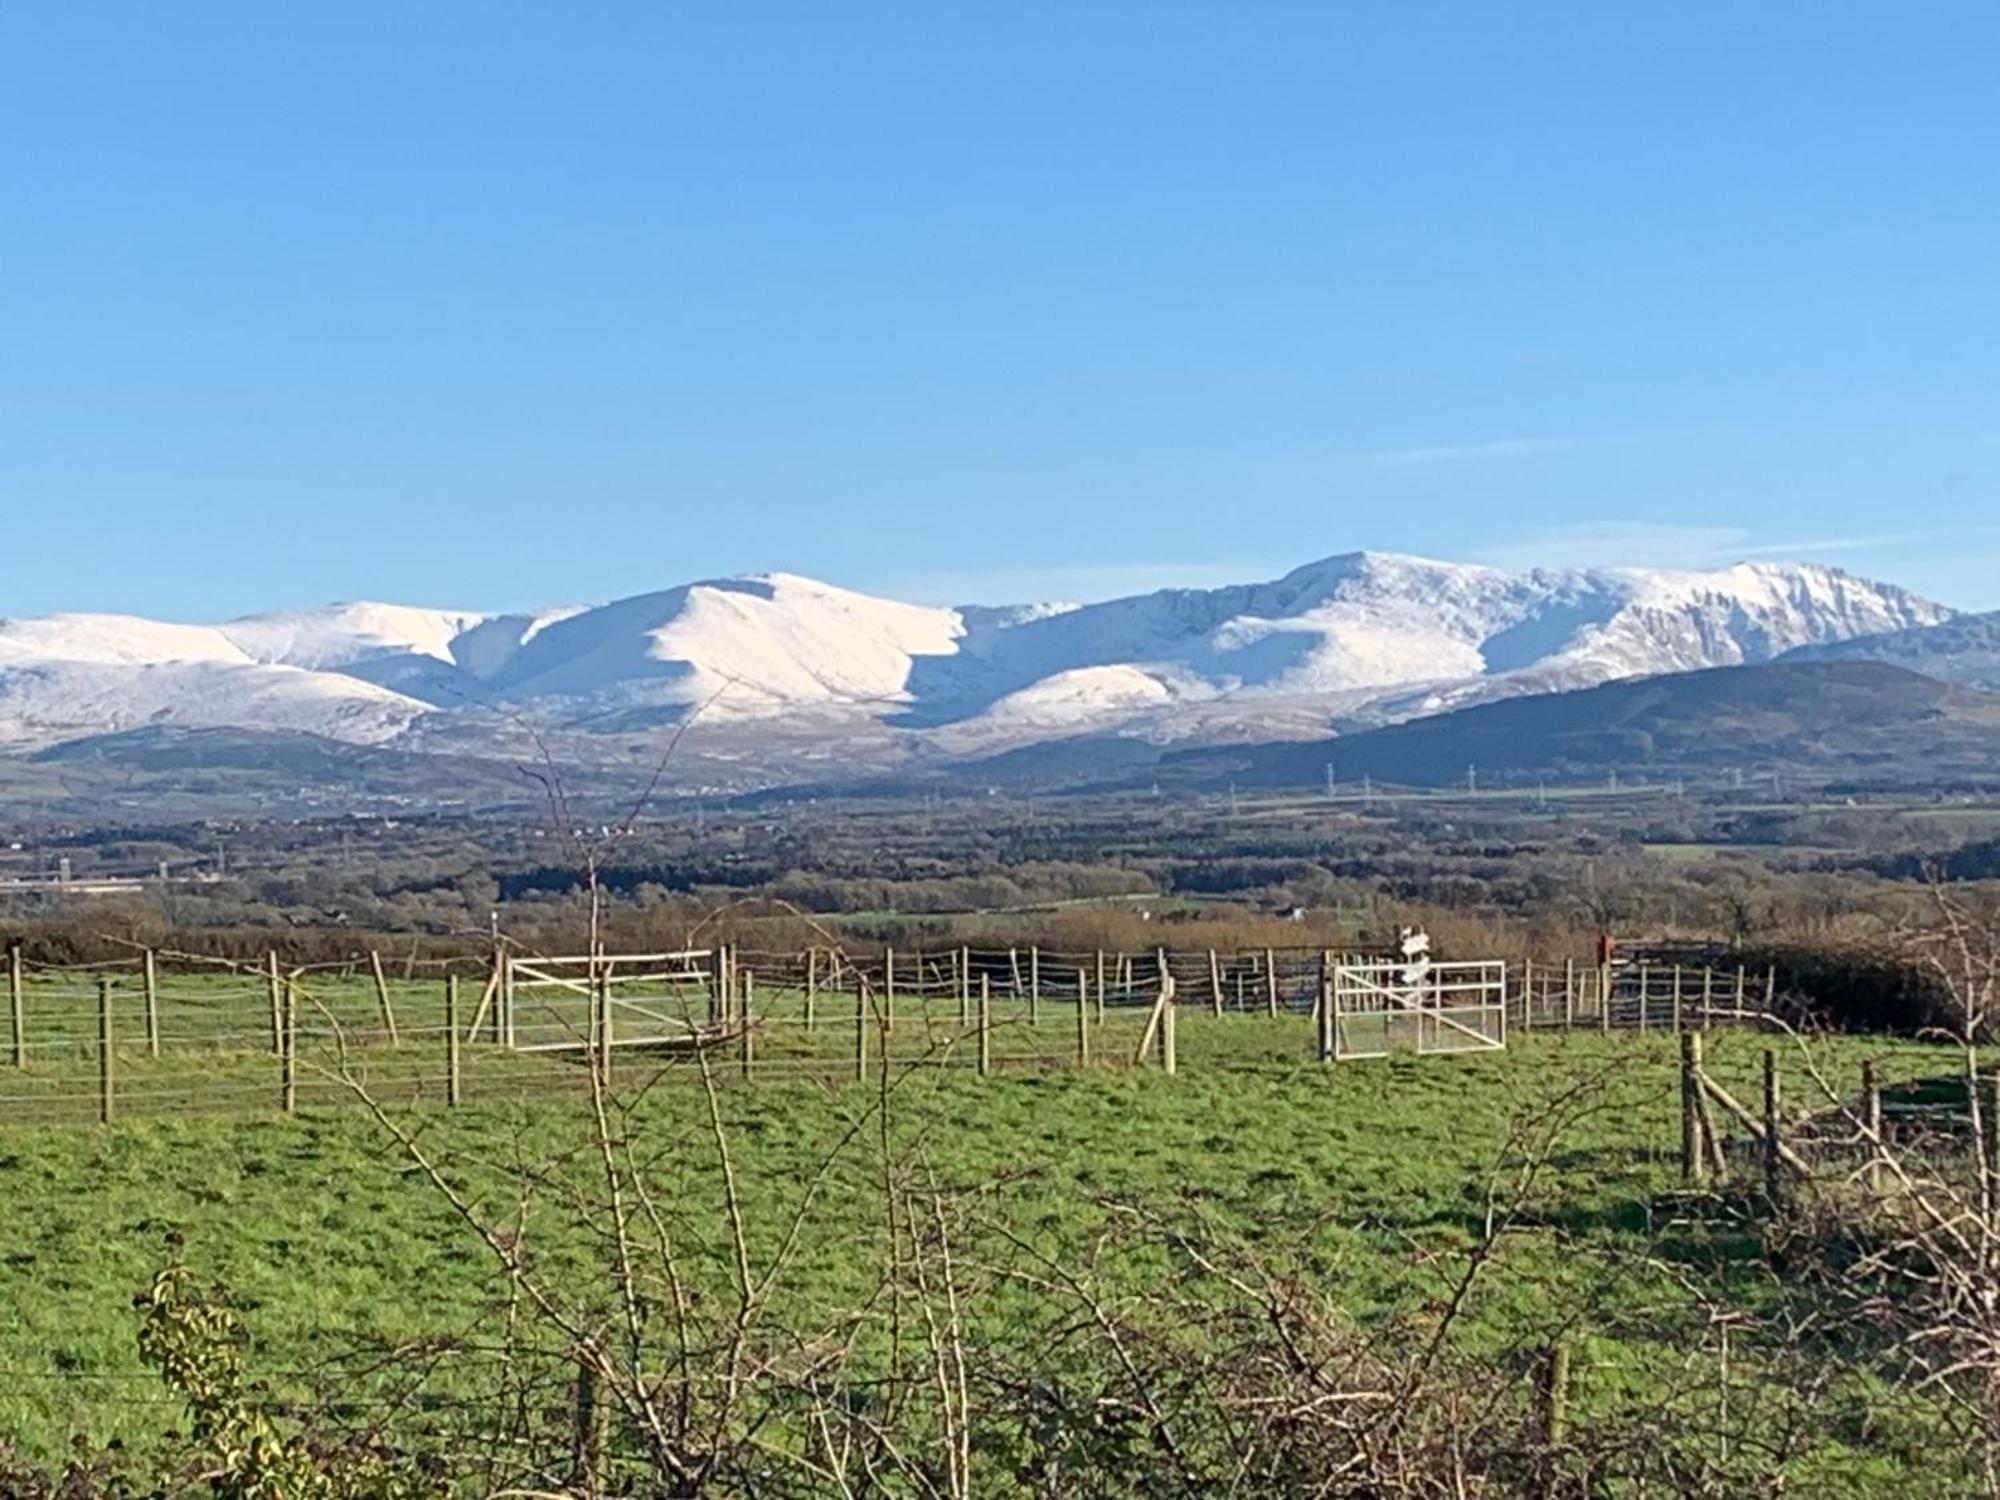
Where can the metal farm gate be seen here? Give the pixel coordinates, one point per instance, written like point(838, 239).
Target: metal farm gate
point(575, 1003)
point(1382, 1006)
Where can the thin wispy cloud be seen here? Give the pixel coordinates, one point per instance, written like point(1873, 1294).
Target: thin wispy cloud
point(1883, 540)
point(1510, 447)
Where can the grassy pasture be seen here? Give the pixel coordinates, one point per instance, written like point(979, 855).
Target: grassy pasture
point(1359, 1175)
point(217, 1049)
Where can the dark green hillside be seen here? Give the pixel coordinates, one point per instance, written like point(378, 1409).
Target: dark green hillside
point(1827, 720)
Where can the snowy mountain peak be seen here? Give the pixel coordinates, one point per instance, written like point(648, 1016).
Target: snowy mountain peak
point(1352, 637)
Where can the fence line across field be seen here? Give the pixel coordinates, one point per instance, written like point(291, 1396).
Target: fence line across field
point(170, 1032)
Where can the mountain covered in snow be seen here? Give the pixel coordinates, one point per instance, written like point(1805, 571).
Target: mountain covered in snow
point(1347, 641)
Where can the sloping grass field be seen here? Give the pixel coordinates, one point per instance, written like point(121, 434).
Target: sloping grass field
point(1373, 1179)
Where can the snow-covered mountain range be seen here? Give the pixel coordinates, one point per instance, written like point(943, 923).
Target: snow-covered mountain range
point(1354, 639)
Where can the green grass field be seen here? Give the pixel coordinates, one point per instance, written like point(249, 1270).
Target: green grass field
point(1360, 1174)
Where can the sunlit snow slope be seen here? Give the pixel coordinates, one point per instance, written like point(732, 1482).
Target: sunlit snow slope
point(1354, 637)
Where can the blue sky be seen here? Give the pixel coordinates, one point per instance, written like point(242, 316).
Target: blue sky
point(500, 305)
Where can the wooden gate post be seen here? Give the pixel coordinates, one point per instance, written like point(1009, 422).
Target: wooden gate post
point(1569, 995)
point(152, 977)
point(1271, 983)
point(451, 1085)
point(1169, 1055)
point(1677, 997)
point(1527, 994)
point(503, 1000)
point(1215, 981)
point(106, 1060)
point(1707, 994)
point(1325, 1018)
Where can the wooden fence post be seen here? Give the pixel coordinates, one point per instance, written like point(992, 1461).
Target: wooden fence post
point(1871, 1116)
point(106, 1064)
point(1694, 1156)
point(1677, 997)
point(382, 997)
point(1742, 995)
point(1773, 1182)
point(17, 1003)
point(1569, 995)
point(1527, 994)
point(1707, 994)
point(1035, 986)
point(985, 1025)
point(1100, 986)
point(748, 1020)
point(860, 1023)
point(451, 1082)
point(1325, 1018)
point(288, 1054)
point(1991, 1125)
point(1215, 981)
point(1604, 997)
point(276, 986)
point(152, 978)
point(1082, 1019)
point(603, 1027)
point(1271, 982)
point(1645, 984)
point(965, 989)
point(1555, 1395)
point(888, 990)
point(591, 1433)
point(1169, 1054)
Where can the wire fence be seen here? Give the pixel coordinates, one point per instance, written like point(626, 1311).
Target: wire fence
point(174, 1033)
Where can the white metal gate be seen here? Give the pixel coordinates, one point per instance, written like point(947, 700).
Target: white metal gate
point(1386, 1005)
point(634, 999)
